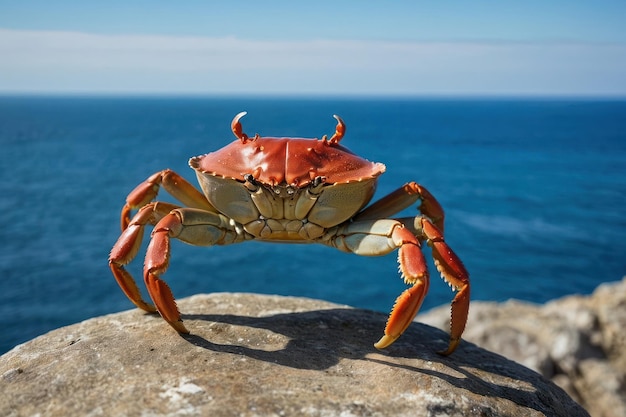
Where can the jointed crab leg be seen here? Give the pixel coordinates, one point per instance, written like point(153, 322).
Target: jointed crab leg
point(127, 246)
point(157, 261)
point(378, 237)
point(173, 183)
point(452, 271)
point(427, 227)
point(414, 271)
point(194, 226)
point(402, 198)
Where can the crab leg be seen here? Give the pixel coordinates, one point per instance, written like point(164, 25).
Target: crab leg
point(379, 237)
point(127, 246)
point(173, 183)
point(414, 271)
point(454, 273)
point(156, 263)
point(402, 198)
point(194, 226)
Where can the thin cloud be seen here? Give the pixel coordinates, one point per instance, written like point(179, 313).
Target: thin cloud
point(73, 61)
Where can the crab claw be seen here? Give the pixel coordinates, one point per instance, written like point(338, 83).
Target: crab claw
point(340, 130)
point(237, 129)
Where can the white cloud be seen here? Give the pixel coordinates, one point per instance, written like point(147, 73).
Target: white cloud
point(50, 61)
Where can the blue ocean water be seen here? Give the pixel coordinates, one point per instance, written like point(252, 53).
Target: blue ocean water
point(534, 192)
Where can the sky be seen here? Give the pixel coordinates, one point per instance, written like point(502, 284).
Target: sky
point(410, 48)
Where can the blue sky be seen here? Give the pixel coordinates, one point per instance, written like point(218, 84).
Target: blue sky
point(324, 47)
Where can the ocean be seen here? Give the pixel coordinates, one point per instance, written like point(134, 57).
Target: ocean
point(534, 192)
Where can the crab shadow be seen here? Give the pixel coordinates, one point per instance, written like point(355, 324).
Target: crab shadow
point(320, 339)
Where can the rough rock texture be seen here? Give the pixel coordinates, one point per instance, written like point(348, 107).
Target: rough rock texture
point(264, 355)
point(578, 342)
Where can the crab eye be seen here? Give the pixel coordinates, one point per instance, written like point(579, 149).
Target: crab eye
point(250, 179)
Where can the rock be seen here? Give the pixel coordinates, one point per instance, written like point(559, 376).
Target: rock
point(263, 355)
point(578, 342)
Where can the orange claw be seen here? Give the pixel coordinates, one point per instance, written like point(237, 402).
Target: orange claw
point(340, 131)
point(237, 129)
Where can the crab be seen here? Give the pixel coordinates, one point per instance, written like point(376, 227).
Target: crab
point(290, 190)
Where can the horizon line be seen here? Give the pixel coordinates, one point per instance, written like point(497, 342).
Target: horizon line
point(310, 95)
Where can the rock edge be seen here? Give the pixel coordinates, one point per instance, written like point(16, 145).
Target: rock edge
point(264, 355)
point(578, 342)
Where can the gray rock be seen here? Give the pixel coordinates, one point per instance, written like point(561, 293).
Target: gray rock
point(252, 355)
point(578, 342)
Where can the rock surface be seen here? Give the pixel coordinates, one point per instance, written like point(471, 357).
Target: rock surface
point(264, 355)
point(578, 342)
